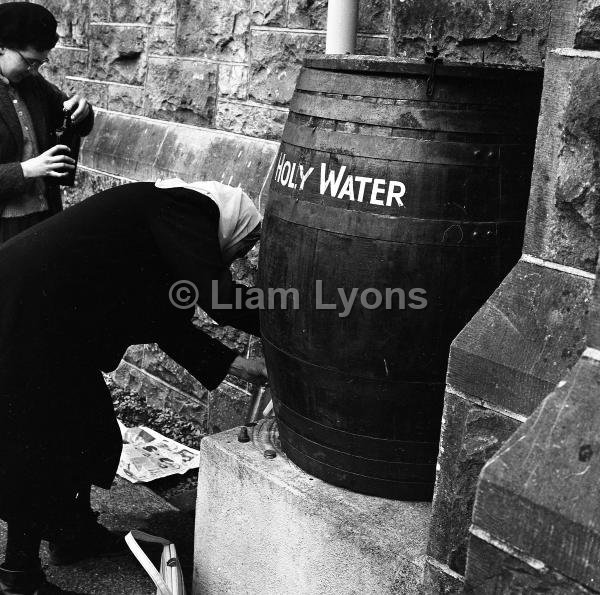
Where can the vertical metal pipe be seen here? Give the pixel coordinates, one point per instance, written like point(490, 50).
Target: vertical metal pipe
point(342, 16)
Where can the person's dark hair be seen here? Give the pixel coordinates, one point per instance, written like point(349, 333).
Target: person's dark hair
point(24, 24)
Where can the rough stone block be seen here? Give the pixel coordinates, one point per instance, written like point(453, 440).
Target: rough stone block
point(160, 395)
point(269, 12)
point(470, 435)
point(439, 582)
point(499, 31)
point(276, 62)
point(587, 35)
point(227, 407)
point(266, 526)
point(251, 119)
point(72, 17)
point(65, 62)
point(99, 11)
point(373, 15)
point(181, 91)
point(125, 98)
point(95, 93)
point(118, 53)
point(214, 29)
point(564, 206)
point(277, 58)
point(162, 41)
point(229, 336)
point(157, 363)
point(495, 572)
point(540, 493)
point(147, 150)
point(523, 339)
point(233, 81)
point(531, 331)
point(244, 270)
point(593, 336)
point(143, 11)
point(575, 24)
point(372, 46)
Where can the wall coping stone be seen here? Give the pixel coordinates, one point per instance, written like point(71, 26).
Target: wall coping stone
point(142, 148)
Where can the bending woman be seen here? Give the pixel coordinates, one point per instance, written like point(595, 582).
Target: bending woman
point(75, 292)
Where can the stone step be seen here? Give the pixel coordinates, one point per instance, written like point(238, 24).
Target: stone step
point(264, 526)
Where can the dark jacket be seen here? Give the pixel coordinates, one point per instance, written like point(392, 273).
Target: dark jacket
point(75, 291)
point(45, 103)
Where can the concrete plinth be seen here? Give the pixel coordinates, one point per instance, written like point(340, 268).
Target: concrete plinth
point(264, 526)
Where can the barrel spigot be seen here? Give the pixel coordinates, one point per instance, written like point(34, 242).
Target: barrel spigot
point(254, 409)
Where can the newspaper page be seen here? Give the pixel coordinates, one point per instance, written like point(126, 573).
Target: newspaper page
point(148, 455)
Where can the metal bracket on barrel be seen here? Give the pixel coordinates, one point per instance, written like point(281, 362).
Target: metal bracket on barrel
point(432, 58)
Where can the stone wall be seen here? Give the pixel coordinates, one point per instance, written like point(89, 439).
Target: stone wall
point(186, 69)
point(232, 65)
point(532, 330)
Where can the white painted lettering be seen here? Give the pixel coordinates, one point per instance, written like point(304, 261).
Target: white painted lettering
point(284, 177)
point(362, 182)
point(377, 189)
point(331, 180)
point(347, 188)
point(292, 185)
point(394, 194)
point(304, 176)
point(279, 167)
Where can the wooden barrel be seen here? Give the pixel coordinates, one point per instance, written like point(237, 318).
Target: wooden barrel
point(406, 187)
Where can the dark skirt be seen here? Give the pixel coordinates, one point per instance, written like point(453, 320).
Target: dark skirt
point(12, 226)
point(59, 432)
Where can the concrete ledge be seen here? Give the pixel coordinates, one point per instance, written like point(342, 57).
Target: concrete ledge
point(266, 527)
point(144, 149)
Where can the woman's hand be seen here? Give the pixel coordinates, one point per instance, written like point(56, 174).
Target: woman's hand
point(251, 369)
point(53, 163)
point(79, 106)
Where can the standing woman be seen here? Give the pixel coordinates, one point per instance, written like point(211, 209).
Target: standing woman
point(31, 109)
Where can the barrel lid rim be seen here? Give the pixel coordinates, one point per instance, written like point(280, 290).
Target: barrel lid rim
point(398, 65)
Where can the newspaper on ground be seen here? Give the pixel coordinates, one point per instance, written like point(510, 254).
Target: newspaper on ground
point(148, 455)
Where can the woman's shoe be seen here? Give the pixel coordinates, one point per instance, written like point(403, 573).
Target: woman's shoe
point(28, 582)
point(90, 539)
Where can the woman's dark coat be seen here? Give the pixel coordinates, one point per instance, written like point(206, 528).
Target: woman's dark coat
point(75, 292)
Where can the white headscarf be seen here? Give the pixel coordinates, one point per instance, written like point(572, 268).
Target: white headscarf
point(238, 215)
